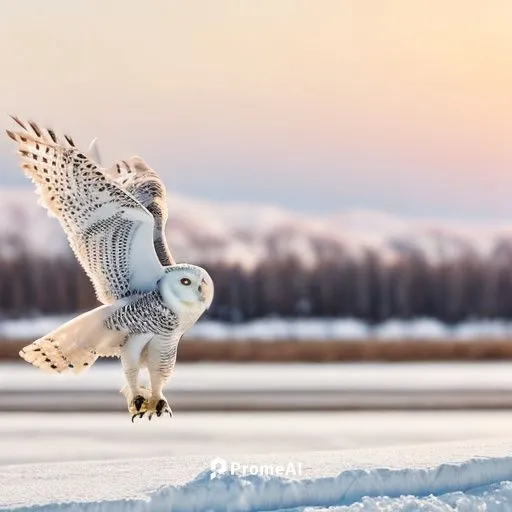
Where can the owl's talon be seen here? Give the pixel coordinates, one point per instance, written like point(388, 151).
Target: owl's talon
point(138, 404)
point(138, 414)
point(163, 407)
point(138, 401)
point(158, 407)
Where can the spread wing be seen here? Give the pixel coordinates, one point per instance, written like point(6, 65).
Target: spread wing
point(138, 179)
point(110, 232)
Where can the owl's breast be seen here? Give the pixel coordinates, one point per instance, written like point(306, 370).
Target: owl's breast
point(145, 313)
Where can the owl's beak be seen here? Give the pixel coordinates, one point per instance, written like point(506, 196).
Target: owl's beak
point(206, 292)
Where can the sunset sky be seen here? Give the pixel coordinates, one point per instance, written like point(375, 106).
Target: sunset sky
point(320, 106)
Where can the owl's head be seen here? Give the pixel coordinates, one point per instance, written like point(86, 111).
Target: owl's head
point(187, 290)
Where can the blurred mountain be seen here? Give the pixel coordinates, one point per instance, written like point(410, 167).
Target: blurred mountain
point(248, 234)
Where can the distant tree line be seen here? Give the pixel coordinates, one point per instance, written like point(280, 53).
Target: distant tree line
point(367, 288)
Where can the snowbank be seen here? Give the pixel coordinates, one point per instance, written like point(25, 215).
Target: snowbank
point(445, 475)
point(299, 329)
point(495, 498)
point(352, 329)
point(258, 493)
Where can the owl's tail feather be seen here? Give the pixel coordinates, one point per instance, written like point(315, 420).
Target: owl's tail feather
point(77, 344)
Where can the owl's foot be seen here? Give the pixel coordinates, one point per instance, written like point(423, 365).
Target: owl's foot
point(162, 407)
point(137, 404)
point(158, 406)
point(137, 407)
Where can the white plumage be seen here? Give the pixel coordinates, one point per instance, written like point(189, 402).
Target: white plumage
point(115, 223)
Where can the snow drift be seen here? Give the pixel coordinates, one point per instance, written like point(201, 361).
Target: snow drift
point(272, 329)
point(460, 476)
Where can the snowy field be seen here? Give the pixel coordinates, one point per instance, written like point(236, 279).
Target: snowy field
point(365, 460)
point(256, 386)
point(464, 476)
point(352, 329)
point(307, 329)
point(65, 437)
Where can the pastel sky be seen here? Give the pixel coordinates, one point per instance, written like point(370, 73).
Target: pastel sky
point(402, 106)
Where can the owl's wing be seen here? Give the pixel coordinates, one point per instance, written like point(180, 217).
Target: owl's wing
point(142, 182)
point(110, 232)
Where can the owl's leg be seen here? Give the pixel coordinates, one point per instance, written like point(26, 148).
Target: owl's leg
point(136, 395)
point(161, 359)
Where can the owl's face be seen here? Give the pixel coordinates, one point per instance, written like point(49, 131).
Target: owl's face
point(187, 290)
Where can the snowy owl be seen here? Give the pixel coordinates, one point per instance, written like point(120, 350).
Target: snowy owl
point(114, 220)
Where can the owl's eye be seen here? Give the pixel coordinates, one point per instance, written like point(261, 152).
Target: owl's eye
point(186, 281)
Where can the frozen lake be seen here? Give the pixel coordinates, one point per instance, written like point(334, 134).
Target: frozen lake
point(47, 437)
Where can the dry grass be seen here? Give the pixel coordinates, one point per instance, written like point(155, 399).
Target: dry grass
point(324, 351)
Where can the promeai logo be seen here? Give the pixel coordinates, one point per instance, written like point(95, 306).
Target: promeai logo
point(218, 466)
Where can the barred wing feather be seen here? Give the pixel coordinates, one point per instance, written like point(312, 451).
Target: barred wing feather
point(142, 182)
point(110, 232)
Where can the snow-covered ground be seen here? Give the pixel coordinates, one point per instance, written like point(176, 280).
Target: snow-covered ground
point(339, 461)
point(465, 476)
point(352, 329)
point(313, 387)
point(203, 377)
point(103, 462)
point(70, 436)
point(300, 329)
